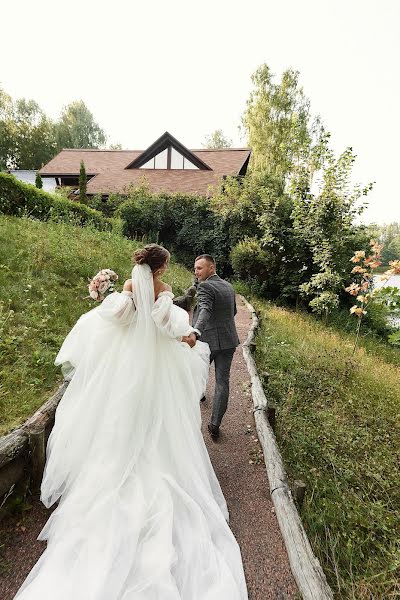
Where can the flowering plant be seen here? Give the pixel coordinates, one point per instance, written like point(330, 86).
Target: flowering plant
point(102, 284)
point(363, 288)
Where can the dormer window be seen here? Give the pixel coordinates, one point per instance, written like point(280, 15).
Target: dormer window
point(169, 159)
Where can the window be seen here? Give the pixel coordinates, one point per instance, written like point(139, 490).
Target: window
point(149, 164)
point(177, 161)
point(160, 160)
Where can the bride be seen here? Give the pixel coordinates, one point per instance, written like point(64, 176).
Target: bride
point(141, 515)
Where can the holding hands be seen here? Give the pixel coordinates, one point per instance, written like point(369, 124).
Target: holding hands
point(190, 339)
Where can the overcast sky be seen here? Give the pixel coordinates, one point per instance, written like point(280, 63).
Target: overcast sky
point(146, 67)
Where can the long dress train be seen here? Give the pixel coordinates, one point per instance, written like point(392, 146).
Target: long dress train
point(141, 515)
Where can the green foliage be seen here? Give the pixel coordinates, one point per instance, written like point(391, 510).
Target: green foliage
point(44, 271)
point(106, 205)
point(252, 263)
point(185, 223)
point(29, 139)
point(18, 198)
point(278, 124)
point(26, 134)
point(217, 140)
point(337, 428)
point(394, 338)
point(389, 236)
point(38, 181)
point(82, 183)
point(325, 223)
point(77, 128)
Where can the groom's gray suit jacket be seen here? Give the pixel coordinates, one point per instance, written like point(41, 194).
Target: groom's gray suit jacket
point(214, 314)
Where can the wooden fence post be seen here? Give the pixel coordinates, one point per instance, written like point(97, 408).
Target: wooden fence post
point(38, 454)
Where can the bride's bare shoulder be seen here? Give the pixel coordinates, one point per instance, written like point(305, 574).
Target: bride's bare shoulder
point(161, 287)
point(128, 286)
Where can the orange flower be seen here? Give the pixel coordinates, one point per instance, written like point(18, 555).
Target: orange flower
point(374, 264)
point(375, 247)
point(353, 289)
point(358, 256)
point(395, 264)
point(357, 310)
point(358, 269)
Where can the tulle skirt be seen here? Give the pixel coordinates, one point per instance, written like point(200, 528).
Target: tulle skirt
point(141, 515)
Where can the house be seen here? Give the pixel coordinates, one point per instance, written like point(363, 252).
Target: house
point(166, 165)
point(28, 176)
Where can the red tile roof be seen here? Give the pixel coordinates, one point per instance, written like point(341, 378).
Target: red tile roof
point(111, 175)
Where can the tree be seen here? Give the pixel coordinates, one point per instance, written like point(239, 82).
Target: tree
point(279, 127)
point(217, 140)
point(34, 135)
point(77, 128)
point(26, 134)
point(325, 223)
point(7, 132)
point(82, 183)
point(38, 181)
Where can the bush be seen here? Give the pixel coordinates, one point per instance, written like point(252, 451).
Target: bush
point(106, 206)
point(18, 198)
point(184, 223)
point(255, 265)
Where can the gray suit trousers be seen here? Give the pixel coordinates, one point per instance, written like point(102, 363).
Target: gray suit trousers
point(222, 361)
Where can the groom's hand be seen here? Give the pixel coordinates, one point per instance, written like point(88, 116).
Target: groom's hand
point(189, 339)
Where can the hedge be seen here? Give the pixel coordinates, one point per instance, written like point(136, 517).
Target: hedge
point(18, 198)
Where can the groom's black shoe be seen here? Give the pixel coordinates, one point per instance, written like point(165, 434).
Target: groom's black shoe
point(214, 430)
point(203, 399)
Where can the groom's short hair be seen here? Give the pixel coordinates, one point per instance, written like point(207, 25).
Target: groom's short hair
point(206, 257)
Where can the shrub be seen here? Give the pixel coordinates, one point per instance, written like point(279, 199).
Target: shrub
point(251, 263)
point(107, 206)
point(185, 223)
point(18, 198)
point(38, 181)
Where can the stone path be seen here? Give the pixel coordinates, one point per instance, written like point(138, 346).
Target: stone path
point(237, 459)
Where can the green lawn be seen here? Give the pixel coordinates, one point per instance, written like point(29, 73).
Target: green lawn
point(44, 269)
point(338, 426)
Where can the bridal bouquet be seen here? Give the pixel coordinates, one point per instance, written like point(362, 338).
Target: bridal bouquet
point(102, 284)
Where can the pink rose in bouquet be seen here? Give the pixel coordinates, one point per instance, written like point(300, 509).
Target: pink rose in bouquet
point(102, 284)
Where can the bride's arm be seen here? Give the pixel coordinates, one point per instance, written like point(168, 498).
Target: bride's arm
point(170, 319)
point(119, 307)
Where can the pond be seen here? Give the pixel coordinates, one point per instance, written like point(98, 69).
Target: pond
point(393, 281)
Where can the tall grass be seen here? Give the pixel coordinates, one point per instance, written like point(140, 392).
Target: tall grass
point(338, 428)
point(44, 270)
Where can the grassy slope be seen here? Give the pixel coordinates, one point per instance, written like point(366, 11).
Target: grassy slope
point(44, 269)
point(338, 429)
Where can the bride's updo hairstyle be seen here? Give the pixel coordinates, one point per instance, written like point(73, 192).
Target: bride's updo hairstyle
point(153, 255)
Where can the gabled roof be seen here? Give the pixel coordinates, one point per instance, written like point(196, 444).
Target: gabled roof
point(113, 171)
point(161, 144)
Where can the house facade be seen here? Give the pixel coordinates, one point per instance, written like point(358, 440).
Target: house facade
point(29, 176)
point(166, 165)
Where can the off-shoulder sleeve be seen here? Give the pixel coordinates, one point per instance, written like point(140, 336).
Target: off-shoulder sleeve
point(170, 319)
point(118, 307)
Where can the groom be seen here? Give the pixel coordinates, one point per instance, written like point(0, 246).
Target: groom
point(213, 319)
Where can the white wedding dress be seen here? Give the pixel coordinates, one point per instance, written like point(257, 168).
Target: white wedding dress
point(141, 514)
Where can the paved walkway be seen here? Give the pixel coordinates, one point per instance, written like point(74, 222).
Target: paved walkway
point(237, 459)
